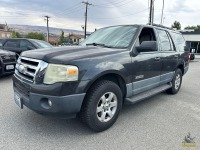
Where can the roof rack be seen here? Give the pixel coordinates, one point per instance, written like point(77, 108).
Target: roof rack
point(158, 25)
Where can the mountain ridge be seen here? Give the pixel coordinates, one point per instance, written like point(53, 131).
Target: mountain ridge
point(24, 29)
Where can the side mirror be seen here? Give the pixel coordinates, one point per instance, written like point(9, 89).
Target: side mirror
point(30, 48)
point(148, 46)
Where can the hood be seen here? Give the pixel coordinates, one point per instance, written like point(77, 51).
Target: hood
point(63, 55)
point(4, 52)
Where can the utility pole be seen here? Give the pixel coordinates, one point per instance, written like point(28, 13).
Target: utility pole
point(86, 8)
point(151, 13)
point(161, 22)
point(47, 19)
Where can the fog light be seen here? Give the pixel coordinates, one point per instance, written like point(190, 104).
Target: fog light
point(50, 103)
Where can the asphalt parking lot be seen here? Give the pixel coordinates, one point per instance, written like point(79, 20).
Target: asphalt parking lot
point(158, 123)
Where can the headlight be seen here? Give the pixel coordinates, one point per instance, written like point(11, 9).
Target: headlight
point(60, 73)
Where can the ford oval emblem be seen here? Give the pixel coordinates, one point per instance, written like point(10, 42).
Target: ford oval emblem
point(22, 69)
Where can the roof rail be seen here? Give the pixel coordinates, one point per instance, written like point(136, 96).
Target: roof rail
point(158, 25)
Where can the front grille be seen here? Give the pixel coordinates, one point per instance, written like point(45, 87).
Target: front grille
point(28, 68)
point(8, 59)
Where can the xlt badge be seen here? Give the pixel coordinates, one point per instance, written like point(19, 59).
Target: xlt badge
point(139, 77)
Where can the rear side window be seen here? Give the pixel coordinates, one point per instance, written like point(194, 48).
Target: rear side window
point(178, 41)
point(164, 40)
point(11, 43)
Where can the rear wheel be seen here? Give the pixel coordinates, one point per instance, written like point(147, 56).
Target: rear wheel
point(102, 105)
point(176, 82)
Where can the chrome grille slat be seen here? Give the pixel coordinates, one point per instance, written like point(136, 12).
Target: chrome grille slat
point(28, 69)
point(29, 66)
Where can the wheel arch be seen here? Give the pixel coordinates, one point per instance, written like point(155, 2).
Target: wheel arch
point(110, 76)
point(181, 67)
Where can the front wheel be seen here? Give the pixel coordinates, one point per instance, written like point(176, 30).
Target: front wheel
point(102, 105)
point(176, 82)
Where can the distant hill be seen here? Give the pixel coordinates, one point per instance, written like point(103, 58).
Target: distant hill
point(24, 29)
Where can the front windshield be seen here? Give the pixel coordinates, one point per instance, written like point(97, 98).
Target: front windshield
point(42, 44)
point(115, 37)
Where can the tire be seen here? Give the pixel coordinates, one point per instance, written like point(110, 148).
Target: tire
point(102, 105)
point(176, 82)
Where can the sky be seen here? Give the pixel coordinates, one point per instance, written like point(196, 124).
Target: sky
point(69, 14)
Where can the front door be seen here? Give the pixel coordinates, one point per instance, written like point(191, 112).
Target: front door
point(146, 65)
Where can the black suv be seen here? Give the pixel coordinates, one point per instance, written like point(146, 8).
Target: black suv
point(114, 66)
point(7, 62)
point(19, 45)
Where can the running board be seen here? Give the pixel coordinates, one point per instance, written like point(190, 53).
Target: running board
point(147, 94)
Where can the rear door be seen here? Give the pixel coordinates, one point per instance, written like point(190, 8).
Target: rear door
point(169, 56)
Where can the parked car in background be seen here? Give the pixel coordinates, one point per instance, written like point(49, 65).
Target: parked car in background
point(7, 62)
point(19, 45)
point(69, 44)
point(192, 56)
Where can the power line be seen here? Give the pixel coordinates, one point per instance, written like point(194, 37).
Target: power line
point(70, 11)
point(115, 4)
point(124, 15)
point(86, 10)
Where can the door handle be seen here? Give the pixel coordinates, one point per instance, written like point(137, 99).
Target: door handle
point(157, 59)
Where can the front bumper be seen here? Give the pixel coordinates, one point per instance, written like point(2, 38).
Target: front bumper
point(3, 70)
point(61, 106)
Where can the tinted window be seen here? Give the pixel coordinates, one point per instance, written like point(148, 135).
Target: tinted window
point(25, 44)
point(178, 41)
point(164, 40)
point(41, 44)
point(11, 43)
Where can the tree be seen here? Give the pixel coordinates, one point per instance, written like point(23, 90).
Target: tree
point(195, 28)
point(35, 35)
point(176, 25)
point(15, 34)
point(62, 38)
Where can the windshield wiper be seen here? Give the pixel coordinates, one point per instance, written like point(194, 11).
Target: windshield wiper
point(98, 44)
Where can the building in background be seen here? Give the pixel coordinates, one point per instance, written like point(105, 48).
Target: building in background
point(4, 31)
point(53, 41)
point(76, 38)
point(192, 39)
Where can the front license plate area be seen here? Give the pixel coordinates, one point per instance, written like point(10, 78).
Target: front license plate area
point(10, 67)
point(18, 100)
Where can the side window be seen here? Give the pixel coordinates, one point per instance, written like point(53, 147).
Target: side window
point(179, 41)
point(147, 34)
point(164, 40)
point(11, 43)
point(25, 44)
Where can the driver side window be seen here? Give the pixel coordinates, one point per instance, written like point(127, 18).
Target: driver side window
point(147, 34)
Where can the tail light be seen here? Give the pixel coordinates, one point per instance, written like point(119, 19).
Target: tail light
point(188, 56)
